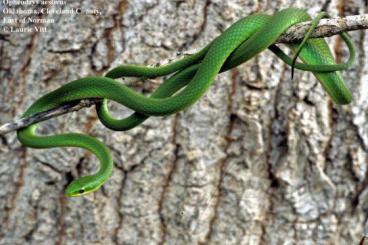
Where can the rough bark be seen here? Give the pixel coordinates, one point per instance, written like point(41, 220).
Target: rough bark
point(325, 28)
point(260, 159)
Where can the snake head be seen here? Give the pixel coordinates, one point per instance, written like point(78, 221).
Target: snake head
point(82, 186)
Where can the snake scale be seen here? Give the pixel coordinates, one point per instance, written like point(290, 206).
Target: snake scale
point(191, 78)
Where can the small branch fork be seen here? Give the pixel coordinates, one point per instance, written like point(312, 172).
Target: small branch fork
point(326, 28)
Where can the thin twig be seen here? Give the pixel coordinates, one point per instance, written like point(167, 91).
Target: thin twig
point(42, 116)
point(326, 28)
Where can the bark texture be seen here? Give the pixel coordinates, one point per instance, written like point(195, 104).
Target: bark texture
point(260, 159)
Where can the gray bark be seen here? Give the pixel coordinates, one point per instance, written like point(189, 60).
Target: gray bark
point(325, 28)
point(260, 159)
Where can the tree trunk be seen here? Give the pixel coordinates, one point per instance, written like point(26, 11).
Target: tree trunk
point(260, 159)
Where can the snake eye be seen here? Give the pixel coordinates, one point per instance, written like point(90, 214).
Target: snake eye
point(81, 191)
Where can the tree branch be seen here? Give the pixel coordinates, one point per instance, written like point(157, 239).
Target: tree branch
point(326, 28)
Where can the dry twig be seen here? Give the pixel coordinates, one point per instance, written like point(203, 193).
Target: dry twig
point(326, 28)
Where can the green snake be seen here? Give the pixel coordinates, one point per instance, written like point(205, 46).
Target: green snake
point(192, 76)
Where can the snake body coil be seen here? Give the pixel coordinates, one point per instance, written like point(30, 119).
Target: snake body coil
point(193, 76)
